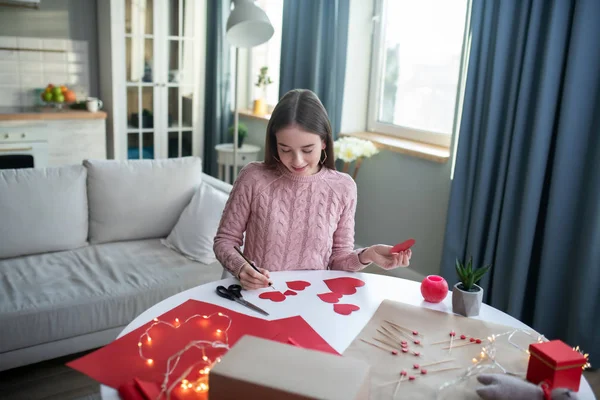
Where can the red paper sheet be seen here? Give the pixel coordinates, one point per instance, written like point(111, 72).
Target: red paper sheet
point(118, 363)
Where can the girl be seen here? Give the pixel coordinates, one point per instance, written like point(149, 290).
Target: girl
point(296, 210)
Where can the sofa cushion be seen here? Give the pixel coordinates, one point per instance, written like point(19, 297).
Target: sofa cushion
point(139, 199)
point(194, 234)
point(60, 295)
point(42, 209)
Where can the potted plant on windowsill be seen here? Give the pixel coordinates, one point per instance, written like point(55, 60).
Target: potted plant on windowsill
point(242, 133)
point(264, 80)
point(466, 294)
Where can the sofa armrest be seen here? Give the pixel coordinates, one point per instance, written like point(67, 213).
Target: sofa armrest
point(217, 183)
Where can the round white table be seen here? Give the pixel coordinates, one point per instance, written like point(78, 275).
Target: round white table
point(246, 154)
point(338, 330)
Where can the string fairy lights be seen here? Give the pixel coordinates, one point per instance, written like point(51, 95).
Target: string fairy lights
point(200, 384)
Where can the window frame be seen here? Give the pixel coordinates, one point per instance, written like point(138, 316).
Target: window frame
point(375, 88)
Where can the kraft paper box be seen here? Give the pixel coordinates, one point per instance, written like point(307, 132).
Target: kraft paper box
point(257, 368)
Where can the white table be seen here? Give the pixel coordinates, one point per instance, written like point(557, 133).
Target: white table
point(245, 154)
point(338, 330)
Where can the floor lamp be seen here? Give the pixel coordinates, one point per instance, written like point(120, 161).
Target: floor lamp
point(247, 26)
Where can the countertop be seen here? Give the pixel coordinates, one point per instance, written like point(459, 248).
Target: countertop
point(46, 113)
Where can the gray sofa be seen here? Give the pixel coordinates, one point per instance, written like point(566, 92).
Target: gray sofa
point(81, 253)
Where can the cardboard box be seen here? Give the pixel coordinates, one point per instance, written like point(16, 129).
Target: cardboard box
point(557, 363)
point(263, 369)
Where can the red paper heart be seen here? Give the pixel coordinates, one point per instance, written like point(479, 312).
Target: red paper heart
point(331, 297)
point(273, 296)
point(345, 309)
point(298, 285)
point(290, 293)
point(345, 285)
point(407, 244)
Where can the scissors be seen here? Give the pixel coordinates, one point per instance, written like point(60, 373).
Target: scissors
point(234, 293)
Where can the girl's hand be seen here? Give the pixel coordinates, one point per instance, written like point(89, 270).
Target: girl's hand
point(381, 255)
point(250, 279)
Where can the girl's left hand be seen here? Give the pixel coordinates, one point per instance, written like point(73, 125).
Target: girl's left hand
point(381, 255)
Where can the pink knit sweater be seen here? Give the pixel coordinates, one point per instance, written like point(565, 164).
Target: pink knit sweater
point(291, 222)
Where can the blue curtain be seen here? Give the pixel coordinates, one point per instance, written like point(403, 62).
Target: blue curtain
point(313, 51)
point(526, 190)
point(217, 89)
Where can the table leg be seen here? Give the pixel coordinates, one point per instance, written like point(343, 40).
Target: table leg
point(227, 167)
point(220, 168)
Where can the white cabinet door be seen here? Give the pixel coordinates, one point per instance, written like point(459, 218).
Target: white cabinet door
point(162, 78)
point(156, 76)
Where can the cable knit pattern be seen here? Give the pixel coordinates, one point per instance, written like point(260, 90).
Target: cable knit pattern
point(291, 222)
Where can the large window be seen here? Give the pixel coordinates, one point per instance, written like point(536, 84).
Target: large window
point(417, 54)
point(267, 55)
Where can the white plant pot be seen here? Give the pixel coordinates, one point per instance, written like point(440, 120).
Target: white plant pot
point(466, 303)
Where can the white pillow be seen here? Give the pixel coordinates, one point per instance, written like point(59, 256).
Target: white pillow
point(193, 235)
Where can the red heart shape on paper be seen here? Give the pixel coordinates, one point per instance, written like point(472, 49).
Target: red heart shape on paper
point(331, 297)
point(290, 293)
point(345, 309)
point(273, 296)
point(298, 285)
point(344, 285)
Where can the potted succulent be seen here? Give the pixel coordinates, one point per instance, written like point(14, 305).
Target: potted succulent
point(466, 294)
point(263, 81)
point(242, 133)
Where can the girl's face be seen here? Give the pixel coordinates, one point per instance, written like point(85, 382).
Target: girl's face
point(299, 151)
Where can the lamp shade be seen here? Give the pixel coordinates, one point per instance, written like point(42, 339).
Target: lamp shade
point(248, 25)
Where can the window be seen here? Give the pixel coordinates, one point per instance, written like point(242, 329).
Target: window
point(417, 60)
point(267, 55)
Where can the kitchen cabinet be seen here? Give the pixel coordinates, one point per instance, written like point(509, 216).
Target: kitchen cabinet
point(53, 138)
point(151, 77)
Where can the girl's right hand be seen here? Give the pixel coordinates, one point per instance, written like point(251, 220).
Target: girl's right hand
point(250, 279)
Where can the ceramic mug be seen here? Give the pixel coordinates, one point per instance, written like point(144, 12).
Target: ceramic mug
point(93, 104)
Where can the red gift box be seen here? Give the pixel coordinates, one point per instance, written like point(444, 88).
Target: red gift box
point(556, 363)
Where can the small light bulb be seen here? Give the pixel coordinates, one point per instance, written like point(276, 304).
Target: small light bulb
point(149, 361)
point(218, 331)
point(474, 360)
point(149, 339)
point(205, 358)
point(190, 385)
point(203, 386)
point(205, 316)
point(220, 314)
point(185, 381)
point(139, 344)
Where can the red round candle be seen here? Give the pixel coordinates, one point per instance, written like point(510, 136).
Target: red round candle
point(434, 288)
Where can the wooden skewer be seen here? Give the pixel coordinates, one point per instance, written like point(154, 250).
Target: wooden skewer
point(386, 343)
point(403, 328)
point(459, 345)
point(398, 385)
point(394, 351)
point(406, 335)
point(437, 362)
point(444, 369)
point(391, 334)
point(393, 339)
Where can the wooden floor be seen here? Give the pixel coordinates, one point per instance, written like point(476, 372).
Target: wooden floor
point(52, 380)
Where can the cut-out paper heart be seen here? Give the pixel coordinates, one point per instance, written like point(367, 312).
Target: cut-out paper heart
point(298, 285)
point(345, 285)
point(273, 296)
point(331, 297)
point(345, 309)
point(290, 293)
point(407, 244)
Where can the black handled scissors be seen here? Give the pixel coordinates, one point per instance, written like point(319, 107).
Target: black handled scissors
point(234, 293)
